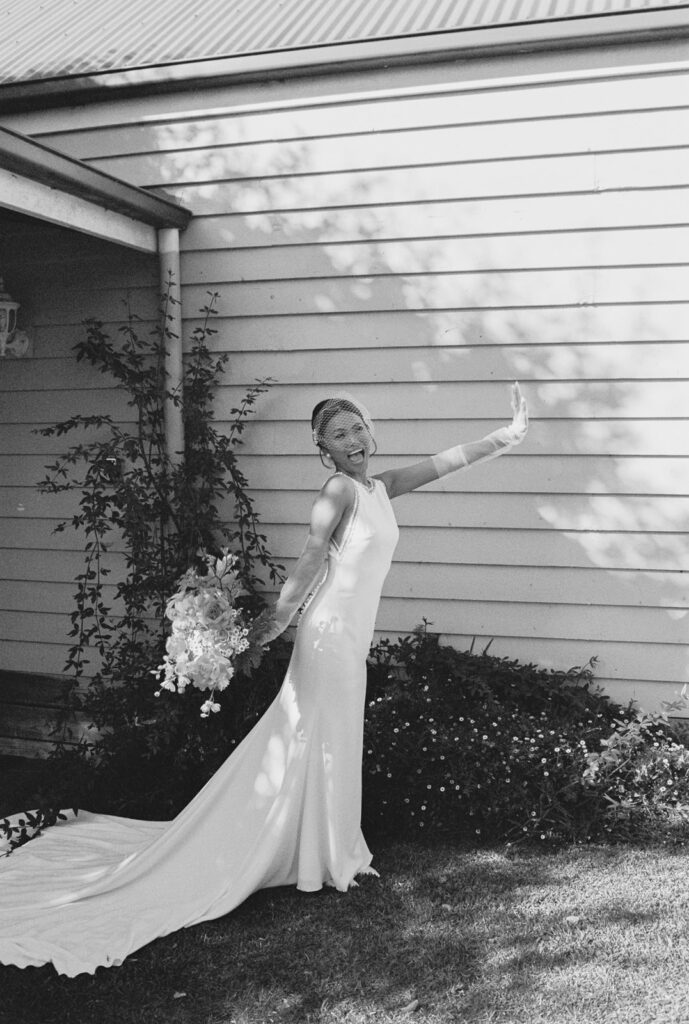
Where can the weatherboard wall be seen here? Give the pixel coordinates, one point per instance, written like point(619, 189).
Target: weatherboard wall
point(422, 237)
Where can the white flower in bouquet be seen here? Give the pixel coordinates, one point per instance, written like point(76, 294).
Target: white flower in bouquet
point(208, 633)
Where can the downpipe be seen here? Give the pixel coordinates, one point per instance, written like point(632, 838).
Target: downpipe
point(169, 269)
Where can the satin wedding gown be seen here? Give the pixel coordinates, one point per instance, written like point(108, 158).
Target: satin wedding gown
point(284, 809)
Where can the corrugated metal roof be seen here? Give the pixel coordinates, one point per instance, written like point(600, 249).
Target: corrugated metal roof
point(42, 39)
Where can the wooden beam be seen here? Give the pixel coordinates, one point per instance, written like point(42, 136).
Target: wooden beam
point(34, 160)
point(70, 211)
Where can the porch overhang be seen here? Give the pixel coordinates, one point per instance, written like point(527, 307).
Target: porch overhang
point(43, 183)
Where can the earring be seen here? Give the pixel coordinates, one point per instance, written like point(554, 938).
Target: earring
point(326, 459)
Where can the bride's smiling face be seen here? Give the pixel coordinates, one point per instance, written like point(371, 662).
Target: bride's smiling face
point(348, 443)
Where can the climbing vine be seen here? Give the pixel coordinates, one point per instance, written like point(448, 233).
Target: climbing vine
point(144, 518)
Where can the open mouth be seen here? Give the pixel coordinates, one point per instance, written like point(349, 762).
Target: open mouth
point(357, 455)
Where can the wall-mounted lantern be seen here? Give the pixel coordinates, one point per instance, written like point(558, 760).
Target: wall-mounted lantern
point(12, 342)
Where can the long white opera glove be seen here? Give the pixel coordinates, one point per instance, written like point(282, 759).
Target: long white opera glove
point(489, 447)
point(302, 580)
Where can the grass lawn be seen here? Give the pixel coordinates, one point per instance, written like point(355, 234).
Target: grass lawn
point(447, 934)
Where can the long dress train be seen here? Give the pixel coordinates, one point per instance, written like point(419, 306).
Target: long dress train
point(284, 809)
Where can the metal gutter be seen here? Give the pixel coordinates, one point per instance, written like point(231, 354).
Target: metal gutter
point(602, 30)
point(26, 158)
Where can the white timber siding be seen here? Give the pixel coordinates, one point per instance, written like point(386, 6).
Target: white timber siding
point(423, 237)
point(60, 277)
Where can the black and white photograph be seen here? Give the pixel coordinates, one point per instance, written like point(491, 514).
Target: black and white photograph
point(344, 511)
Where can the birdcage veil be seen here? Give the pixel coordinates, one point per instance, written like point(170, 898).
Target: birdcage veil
point(340, 405)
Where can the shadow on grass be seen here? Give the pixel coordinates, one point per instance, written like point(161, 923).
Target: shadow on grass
point(292, 957)
point(473, 934)
point(595, 940)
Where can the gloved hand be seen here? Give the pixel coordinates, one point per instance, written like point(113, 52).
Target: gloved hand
point(514, 434)
point(490, 446)
point(265, 628)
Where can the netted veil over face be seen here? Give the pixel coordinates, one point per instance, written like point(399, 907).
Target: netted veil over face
point(342, 419)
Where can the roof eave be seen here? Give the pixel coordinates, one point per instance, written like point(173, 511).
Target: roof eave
point(575, 33)
point(39, 163)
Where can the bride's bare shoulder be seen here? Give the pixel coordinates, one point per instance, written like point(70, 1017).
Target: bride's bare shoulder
point(338, 483)
point(339, 488)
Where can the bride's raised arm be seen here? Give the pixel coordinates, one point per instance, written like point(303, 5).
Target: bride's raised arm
point(401, 481)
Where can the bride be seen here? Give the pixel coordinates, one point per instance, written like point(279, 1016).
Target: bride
point(284, 809)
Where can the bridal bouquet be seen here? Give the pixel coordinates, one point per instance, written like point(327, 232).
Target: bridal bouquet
point(209, 631)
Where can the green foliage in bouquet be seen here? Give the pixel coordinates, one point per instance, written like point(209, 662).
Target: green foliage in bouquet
point(158, 516)
point(476, 746)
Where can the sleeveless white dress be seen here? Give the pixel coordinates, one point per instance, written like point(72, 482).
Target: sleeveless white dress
point(284, 809)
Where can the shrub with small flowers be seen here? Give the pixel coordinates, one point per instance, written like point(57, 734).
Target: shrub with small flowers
point(641, 774)
point(478, 746)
